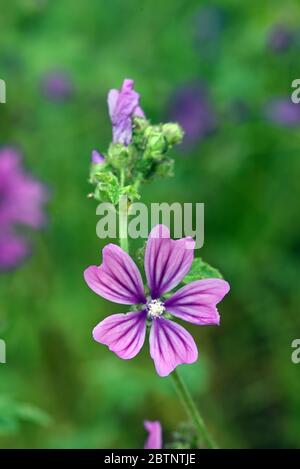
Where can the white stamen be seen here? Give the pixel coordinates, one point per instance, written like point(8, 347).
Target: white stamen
point(155, 308)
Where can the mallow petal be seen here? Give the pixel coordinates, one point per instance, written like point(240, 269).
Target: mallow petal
point(138, 112)
point(97, 158)
point(117, 279)
point(124, 334)
point(196, 302)
point(122, 132)
point(167, 261)
point(112, 100)
point(122, 106)
point(154, 440)
point(170, 345)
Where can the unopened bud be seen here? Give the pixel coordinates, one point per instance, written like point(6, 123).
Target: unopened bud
point(139, 124)
point(117, 155)
point(156, 142)
point(173, 133)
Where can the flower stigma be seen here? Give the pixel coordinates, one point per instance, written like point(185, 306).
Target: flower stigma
point(155, 308)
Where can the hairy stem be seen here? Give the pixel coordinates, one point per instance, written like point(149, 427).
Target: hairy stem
point(192, 411)
point(123, 231)
point(123, 220)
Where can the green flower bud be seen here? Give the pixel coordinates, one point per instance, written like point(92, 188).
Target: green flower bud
point(156, 143)
point(95, 172)
point(165, 168)
point(139, 125)
point(173, 133)
point(146, 166)
point(138, 129)
point(117, 155)
point(152, 130)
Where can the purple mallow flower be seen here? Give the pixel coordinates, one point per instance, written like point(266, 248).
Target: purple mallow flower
point(123, 105)
point(189, 105)
point(97, 158)
point(21, 200)
point(166, 263)
point(154, 440)
point(57, 86)
point(13, 249)
point(282, 111)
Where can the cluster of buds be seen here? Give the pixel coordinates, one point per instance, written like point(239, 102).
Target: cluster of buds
point(138, 153)
point(153, 143)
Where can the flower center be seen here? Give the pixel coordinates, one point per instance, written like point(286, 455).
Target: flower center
point(155, 308)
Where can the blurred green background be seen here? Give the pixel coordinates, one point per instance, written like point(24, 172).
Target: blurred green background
point(245, 170)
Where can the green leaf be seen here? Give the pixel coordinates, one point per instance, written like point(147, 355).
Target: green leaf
point(32, 414)
point(108, 188)
point(13, 413)
point(200, 270)
point(131, 192)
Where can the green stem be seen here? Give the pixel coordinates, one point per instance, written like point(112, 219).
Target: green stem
point(122, 177)
point(123, 232)
point(138, 182)
point(192, 411)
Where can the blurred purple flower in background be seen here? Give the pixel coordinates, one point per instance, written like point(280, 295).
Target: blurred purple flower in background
point(166, 263)
point(154, 440)
point(57, 86)
point(123, 105)
point(13, 249)
point(280, 38)
point(189, 105)
point(282, 111)
point(21, 203)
